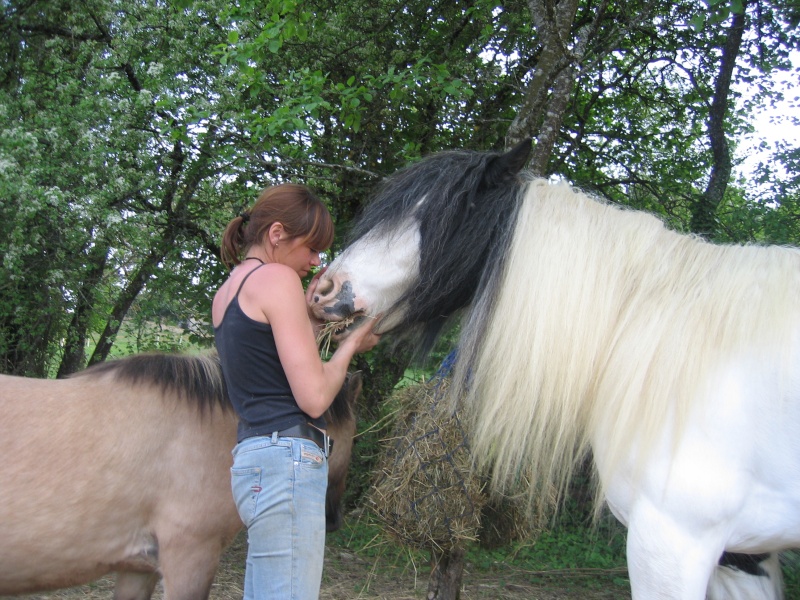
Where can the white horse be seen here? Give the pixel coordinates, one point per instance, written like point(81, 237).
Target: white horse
point(594, 329)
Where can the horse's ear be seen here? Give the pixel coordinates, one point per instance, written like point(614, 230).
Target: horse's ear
point(354, 385)
point(506, 166)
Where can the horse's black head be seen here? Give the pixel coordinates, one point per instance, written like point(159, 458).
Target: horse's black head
point(470, 207)
point(463, 205)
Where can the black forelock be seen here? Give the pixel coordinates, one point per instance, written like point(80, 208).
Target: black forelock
point(464, 226)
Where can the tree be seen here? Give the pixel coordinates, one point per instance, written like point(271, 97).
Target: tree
point(161, 141)
point(118, 158)
point(654, 124)
point(135, 130)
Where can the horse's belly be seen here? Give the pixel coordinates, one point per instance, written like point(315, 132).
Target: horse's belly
point(21, 566)
point(61, 531)
point(766, 525)
point(58, 531)
point(769, 518)
point(65, 521)
point(751, 432)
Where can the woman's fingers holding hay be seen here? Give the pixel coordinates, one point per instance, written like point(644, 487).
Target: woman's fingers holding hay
point(358, 332)
point(364, 335)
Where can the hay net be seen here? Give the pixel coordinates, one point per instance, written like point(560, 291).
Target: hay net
point(425, 492)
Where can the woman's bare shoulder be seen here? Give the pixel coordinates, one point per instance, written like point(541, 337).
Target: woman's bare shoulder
point(277, 274)
point(273, 287)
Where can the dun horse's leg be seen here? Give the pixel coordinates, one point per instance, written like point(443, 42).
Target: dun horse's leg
point(134, 586)
point(188, 567)
point(665, 561)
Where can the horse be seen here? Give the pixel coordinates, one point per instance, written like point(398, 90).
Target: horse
point(125, 467)
point(341, 419)
point(592, 330)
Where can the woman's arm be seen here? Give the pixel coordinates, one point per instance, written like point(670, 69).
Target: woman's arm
point(314, 383)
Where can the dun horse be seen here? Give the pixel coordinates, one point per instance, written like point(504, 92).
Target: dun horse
point(589, 328)
point(125, 467)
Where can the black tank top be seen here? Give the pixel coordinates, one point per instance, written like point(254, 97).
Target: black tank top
point(254, 376)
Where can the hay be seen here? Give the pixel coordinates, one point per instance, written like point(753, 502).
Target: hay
point(328, 330)
point(426, 493)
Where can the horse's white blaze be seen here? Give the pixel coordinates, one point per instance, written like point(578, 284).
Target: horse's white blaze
point(372, 274)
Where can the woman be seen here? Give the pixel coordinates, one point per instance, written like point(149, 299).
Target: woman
point(279, 387)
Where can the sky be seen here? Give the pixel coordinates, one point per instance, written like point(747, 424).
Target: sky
point(774, 125)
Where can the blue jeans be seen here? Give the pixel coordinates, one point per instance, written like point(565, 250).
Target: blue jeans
point(279, 486)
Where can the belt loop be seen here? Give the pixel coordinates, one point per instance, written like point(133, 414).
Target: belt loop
point(274, 437)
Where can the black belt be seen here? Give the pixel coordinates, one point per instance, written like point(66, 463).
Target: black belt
point(309, 432)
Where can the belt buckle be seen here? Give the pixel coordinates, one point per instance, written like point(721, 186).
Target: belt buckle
point(328, 444)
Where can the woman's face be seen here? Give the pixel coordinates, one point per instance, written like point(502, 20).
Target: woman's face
point(298, 255)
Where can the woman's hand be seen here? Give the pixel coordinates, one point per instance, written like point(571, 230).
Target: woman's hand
point(364, 337)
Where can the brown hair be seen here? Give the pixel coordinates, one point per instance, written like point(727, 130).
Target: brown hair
point(295, 206)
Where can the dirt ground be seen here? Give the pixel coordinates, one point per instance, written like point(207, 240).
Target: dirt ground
point(349, 576)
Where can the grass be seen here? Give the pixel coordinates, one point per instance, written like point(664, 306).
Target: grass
point(573, 557)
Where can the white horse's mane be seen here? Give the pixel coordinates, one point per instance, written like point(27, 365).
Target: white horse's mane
point(604, 324)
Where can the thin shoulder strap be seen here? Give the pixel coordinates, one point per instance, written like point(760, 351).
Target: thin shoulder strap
point(245, 279)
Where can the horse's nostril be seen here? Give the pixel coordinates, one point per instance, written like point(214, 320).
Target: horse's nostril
point(324, 288)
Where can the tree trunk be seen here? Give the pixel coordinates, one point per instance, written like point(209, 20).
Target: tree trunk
point(553, 81)
point(125, 299)
point(74, 356)
point(183, 184)
point(447, 571)
point(554, 27)
point(704, 220)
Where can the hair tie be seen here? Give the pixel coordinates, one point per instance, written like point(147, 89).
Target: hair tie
point(245, 217)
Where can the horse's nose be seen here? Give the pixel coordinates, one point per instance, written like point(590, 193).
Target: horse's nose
point(333, 299)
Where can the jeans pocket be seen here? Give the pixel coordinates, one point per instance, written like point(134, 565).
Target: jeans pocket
point(311, 455)
point(246, 485)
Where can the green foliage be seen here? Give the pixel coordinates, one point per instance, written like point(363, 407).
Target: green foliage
point(561, 550)
point(572, 554)
point(90, 206)
point(791, 575)
point(133, 133)
point(717, 11)
point(638, 131)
